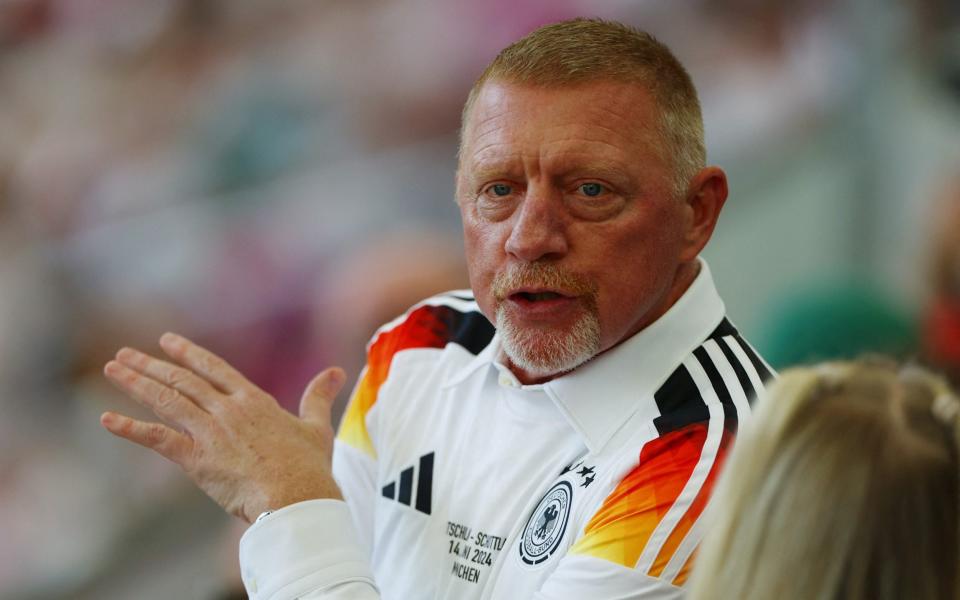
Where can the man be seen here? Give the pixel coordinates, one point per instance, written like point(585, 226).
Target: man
point(566, 453)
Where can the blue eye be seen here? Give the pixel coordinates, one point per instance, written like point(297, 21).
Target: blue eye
point(500, 189)
point(591, 189)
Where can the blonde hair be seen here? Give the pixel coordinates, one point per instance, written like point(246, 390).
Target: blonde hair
point(846, 487)
point(585, 50)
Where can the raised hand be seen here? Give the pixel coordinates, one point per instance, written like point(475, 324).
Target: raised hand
point(232, 438)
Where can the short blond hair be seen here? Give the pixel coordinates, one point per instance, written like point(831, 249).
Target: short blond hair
point(846, 486)
point(585, 50)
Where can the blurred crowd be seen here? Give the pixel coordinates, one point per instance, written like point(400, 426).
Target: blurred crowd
point(274, 178)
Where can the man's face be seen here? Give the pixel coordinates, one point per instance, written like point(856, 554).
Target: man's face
point(573, 235)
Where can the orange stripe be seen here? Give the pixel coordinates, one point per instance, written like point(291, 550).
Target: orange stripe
point(621, 528)
point(424, 327)
point(696, 508)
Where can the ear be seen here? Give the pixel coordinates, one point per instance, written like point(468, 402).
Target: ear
point(706, 195)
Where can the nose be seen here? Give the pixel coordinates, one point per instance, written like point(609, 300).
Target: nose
point(539, 230)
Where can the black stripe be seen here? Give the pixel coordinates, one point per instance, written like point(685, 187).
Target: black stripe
point(679, 402)
point(762, 370)
point(716, 380)
point(471, 330)
point(425, 483)
point(723, 329)
point(719, 386)
point(390, 490)
point(406, 486)
point(742, 376)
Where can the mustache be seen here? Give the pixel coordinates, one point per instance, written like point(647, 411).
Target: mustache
point(541, 274)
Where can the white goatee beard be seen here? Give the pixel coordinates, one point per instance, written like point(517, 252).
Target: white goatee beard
point(544, 353)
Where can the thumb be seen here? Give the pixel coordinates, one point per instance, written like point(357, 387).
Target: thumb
point(320, 394)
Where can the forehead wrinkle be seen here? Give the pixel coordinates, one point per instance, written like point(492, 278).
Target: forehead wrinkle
point(566, 142)
point(575, 152)
point(489, 158)
point(488, 126)
point(488, 119)
point(476, 147)
point(615, 138)
point(617, 149)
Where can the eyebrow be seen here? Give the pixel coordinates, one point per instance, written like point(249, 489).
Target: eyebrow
point(498, 169)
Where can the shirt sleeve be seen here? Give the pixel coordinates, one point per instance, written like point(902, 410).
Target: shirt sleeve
point(307, 550)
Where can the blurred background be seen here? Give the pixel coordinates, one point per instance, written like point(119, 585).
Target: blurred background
point(274, 178)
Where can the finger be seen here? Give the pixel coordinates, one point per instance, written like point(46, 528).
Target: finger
point(185, 381)
point(166, 402)
point(158, 437)
point(204, 363)
point(320, 394)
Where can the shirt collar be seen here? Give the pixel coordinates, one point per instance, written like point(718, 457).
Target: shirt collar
point(598, 397)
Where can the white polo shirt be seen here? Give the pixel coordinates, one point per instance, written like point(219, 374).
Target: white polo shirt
point(461, 483)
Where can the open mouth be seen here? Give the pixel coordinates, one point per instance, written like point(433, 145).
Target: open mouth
point(537, 296)
point(541, 297)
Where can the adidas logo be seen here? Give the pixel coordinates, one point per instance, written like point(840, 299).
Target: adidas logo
point(404, 492)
